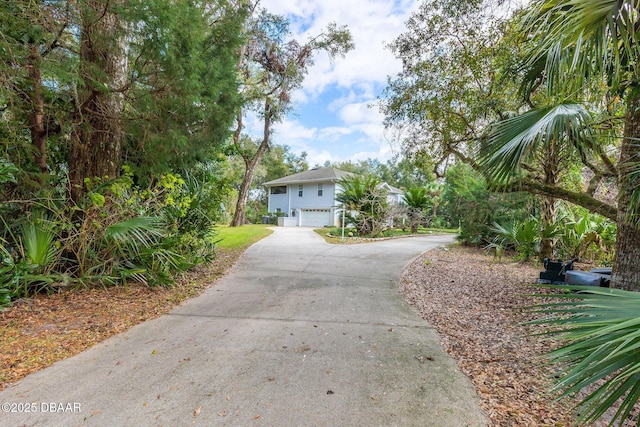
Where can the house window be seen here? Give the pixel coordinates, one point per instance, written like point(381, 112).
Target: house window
point(300, 190)
point(280, 189)
point(319, 190)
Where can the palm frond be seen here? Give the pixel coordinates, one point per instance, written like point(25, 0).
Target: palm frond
point(515, 139)
point(416, 198)
point(37, 238)
point(135, 233)
point(601, 331)
point(563, 30)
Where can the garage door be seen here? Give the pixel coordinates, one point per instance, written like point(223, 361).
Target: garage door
point(315, 217)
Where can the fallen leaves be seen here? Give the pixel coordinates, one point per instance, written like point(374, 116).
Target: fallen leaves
point(423, 359)
point(475, 303)
point(36, 332)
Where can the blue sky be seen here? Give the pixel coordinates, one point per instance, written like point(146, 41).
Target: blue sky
point(333, 119)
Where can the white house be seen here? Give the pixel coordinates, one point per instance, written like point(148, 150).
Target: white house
point(308, 198)
point(395, 196)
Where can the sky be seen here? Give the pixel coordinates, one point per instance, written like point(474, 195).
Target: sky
point(335, 116)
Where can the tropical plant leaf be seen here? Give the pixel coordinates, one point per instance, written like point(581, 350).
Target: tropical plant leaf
point(563, 30)
point(37, 238)
point(417, 198)
point(601, 331)
point(134, 234)
point(516, 139)
point(8, 172)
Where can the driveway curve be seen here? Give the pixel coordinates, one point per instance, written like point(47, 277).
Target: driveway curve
point(299, 333)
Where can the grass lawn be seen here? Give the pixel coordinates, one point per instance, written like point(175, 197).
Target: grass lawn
point(241, 237)
point(334, 234)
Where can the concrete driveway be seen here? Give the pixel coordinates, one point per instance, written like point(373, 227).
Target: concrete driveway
point(300, 333)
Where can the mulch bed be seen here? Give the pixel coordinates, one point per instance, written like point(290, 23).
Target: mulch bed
point(478, 305)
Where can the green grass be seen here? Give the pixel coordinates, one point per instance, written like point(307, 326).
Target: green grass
point(241, 237)
point(334, 234)
point(421, 230)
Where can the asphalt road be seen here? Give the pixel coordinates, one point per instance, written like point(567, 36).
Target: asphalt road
point(300, 333)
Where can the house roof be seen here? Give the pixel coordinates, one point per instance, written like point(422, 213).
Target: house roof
point(312, 175)
point(391, 189)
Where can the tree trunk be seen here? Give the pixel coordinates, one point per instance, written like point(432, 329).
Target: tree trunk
point(96, 149)
point(548, 244)
point(415, 220)
point(581, 199)
point(626, 264)
point(36, 115)
point(549, 204)
point(239, 216)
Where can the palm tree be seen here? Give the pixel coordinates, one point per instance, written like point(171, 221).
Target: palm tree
point(417, 200)
point(549, 134)
point(582, 43)
point(366, 203)
point(585, 42)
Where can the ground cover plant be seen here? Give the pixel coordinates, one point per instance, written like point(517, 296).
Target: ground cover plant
point(37, 331)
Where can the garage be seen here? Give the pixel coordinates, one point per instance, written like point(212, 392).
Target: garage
point(315, 217)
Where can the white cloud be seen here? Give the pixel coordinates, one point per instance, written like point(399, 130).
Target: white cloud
point(350, 130)
point(294, 130)
point(356, 113)
point(333, 133)
point(372, 23)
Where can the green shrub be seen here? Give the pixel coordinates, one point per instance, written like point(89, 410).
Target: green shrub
point(367, 208)
point(117, 233)
point(469, 205)
point(522, 237)
point(586, 236)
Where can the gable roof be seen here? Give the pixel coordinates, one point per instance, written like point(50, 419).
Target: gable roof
point(391, 189)
point(312, 175)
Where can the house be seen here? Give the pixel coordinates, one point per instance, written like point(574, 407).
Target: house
point(308, 199)
point(395, 196)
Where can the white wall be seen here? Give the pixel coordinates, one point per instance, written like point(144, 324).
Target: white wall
point(310, 198)
point(278, 201)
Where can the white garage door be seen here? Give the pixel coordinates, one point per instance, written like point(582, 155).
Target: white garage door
point(316, 217)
